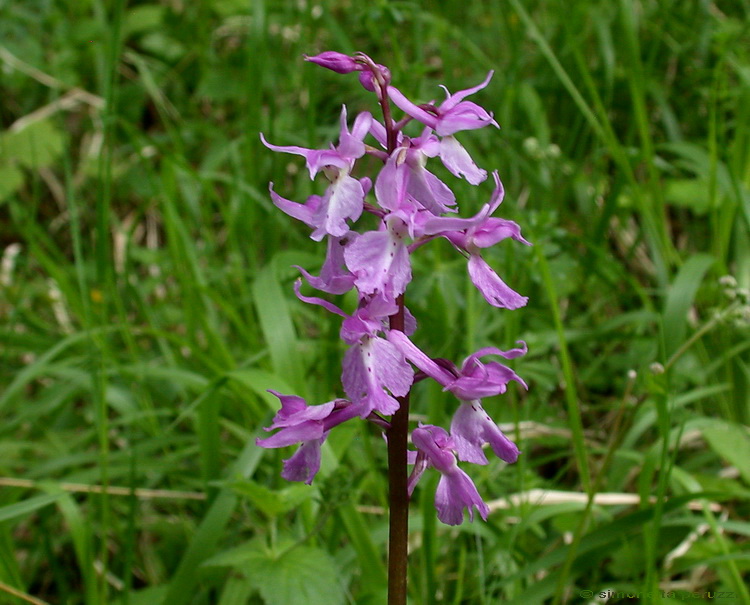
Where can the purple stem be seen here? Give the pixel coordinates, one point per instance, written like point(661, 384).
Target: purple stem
point(398, 434)
point(398, 495)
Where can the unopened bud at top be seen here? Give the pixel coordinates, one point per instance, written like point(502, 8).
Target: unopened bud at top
point(375, 77)
point(338, 62)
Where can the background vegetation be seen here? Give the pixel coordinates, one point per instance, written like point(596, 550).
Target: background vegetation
point(146, 302)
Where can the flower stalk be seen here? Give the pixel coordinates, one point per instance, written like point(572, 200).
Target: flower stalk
point(398, 493)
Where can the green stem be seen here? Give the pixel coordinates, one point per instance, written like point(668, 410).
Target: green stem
point(571, 394)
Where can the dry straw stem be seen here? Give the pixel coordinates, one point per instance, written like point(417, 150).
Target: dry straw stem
point(145, 494)
point(71, 98)
point(545, 497)
point(549, 497)
point(21, 595)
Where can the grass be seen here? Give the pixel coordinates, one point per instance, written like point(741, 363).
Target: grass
point(146, 302)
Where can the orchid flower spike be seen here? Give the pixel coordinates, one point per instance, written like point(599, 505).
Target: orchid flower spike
point(409, 206)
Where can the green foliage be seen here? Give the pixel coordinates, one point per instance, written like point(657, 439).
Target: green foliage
point(732, 443)
point(288, 575)
point(146, 301)
point(33, 146)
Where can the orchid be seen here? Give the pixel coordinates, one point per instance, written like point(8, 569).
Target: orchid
point(482, 231)
point(474, 380)
point(334, 278)
point(307, 425)
point(345, 196)
point(372, 364)
point(455, 490)
point(472, 427)
point(382, 362)
point(380, 259)
point(452, 115)
point(405, 174)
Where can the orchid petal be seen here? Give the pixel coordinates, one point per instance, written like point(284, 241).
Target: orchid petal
point(296, 433)
point(344, 199)
point(457, 491)
point(304, 464)
point(410, 108)
point(380, 260)
point(333, 278)
point(415, 355)
point(316, 159)
point(390, 186)
point(453, 99)
point(459, 162)
point(314, 300)
point(494, 289)
point(429, 190)
point(471, 427)
point(371, 366)
point(302, 212)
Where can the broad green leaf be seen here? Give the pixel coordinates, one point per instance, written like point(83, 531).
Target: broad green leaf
point(276, 323)
point(300, 574)
point(680, 298)
point(19, 509)
point(273, 503)
point(237, 591)
point(142, 18)
point(238, 556)
point(688, 193)
point(11, 178)
point(34, 146)
point(732, 443)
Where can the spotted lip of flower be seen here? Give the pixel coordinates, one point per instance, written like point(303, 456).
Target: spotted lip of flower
point(374, 371)
point(478, 232)
point(380, 260)
point(308, 425)
point(344, 198)
point(455, 490)
point(472, 427)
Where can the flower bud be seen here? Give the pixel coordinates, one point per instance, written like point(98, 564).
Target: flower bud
point(369, 79)
point(338, 62)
